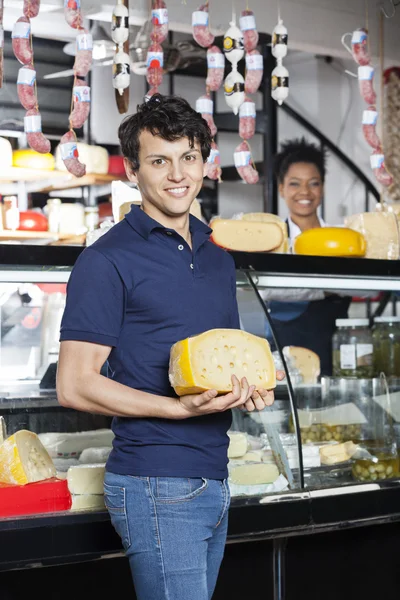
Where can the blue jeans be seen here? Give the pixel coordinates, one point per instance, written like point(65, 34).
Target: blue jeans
point(173, 530)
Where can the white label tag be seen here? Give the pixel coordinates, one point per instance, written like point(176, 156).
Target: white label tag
point(358, 37)
point(199, 17)
point(21, 30)
point(254, 61)
point(369, 117)
point(247, 22)
point(204, 105)
point(364, 351)
point(1, 37)
point(214, 157)
point(242, 159)
point(69, 151)
point(81, 93)
point(247, 109)
point(84, 41)
point(155, 60)
point(159, 16)
point(348, 356)
point(33, 124)
point(376, 160)
point(215, 60)
point(26, 76)
point(365, 73)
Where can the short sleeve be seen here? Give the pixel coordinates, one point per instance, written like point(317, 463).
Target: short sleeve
point(95, 305)
point(235, 320)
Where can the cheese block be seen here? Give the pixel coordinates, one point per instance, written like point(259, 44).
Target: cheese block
point(381, 231)
point(24, 459)
point(332, 454)
point(3, 430)
point(253, 474)
point(330, 241)
point(72, 444)
point(95, 455)
point(207, 361)
point(87, 502)
point(238, 444)
point(305, 361)
point(94, 157)
point(30, 159)
point(270, 218)
point(86, 479)
point(246, 236)
point(6, 153)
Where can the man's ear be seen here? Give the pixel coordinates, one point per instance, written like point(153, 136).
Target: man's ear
point(131, 175)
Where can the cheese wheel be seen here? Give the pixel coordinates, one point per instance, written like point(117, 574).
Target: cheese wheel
point(270, 218)
point(246, 236)
point(95, 158)
point(86, 479)
point(6, 153)
point(208, 361)
point(381, 231)
point(24, 459)
point(305, 361)
point(330, 241)
point(30, 159)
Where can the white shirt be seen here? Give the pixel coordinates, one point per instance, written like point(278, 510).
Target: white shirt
point(295, 231)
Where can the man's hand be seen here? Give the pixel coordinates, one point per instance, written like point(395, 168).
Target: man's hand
point(261, 398)
point(208, 402)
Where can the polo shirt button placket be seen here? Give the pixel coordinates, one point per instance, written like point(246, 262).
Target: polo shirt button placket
point(180, 247)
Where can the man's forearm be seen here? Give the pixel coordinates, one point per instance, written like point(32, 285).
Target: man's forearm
point(95, 393)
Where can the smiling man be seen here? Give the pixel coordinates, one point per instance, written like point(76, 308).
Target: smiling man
point(154, 279)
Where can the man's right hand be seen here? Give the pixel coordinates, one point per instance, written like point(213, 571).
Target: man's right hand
point(209, 402)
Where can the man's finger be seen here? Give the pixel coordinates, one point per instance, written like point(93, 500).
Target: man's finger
point(280, 375)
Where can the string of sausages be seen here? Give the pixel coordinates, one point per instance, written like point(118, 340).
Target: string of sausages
point(280, 75)
point(215, 75)
point(121, 73)
point(26, 82)
point(155, 53)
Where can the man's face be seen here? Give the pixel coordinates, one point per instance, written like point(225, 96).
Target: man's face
point(302, 189)
point(170, 174)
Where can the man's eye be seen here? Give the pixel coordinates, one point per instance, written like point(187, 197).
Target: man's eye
point(158, 161)
point(190, 158)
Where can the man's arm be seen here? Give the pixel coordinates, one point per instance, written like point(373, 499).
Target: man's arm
point(81, 386)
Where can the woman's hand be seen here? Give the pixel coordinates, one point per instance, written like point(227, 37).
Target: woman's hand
point(261, 398)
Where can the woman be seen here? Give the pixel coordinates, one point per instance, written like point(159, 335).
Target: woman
point(309, 322)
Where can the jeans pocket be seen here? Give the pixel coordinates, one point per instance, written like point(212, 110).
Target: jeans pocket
point(177, 489)
point(115, 501)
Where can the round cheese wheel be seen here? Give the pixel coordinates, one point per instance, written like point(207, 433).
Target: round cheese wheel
point(30, 220)
point(6, 154)
point(30, 159)
point(330, 241)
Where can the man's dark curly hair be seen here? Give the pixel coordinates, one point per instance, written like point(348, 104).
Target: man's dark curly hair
point(169, 117)
point(299, 150)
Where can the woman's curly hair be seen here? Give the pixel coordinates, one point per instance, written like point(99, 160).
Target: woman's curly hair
point(299, 150)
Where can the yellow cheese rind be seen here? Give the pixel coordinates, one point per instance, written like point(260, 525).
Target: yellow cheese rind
point(270, 218)
point(207, 361)
point(330, 241)
point(305, 361)
point(24, 459)
point(246, 236)
point(381, 231)
point(30, 159)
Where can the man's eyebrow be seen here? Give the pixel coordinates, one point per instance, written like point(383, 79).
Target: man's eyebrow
point(166, 157)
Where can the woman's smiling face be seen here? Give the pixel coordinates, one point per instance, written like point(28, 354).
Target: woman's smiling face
point(302, 189)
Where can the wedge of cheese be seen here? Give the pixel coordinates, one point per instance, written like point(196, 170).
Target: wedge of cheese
point(207, 361)
point(333, 454)
point(238, 444)
point(305, 361)
point(254, 474)
point(86, 479)
point(381, 232)
point(24, 459)
point(270, 218)
point(246, 236)
point(330, 241)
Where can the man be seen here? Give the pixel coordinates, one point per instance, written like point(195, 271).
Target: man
point(154, 279)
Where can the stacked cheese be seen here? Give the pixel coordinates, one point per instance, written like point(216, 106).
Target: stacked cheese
point(85, 482)
point(209, 360)
point(251, 232)
point(381, 232)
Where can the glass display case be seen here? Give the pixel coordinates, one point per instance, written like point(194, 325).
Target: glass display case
point(326, 441)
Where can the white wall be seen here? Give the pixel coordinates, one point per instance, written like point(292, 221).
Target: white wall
point(321, 92)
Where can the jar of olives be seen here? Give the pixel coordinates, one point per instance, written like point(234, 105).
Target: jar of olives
point(386, 342)
point(352, 349)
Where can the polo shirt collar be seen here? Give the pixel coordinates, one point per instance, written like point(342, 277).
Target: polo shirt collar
point(144, 225)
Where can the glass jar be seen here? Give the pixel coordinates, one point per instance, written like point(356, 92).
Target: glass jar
point(352, 349)
point(386, 341)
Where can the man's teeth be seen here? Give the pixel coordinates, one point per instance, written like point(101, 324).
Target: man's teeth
point(177, 190)
point(304, 201)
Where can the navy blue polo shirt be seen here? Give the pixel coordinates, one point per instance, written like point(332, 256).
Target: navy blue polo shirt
point(140, 288)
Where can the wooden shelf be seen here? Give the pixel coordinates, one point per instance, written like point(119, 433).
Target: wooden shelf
point(55, 180)
point(6, 235)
